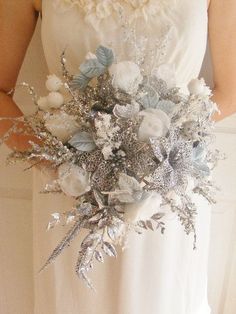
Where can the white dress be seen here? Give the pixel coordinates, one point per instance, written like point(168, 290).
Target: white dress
point(157, 274)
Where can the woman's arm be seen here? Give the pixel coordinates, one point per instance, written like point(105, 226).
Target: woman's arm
point(17, 23)
point(222, 36)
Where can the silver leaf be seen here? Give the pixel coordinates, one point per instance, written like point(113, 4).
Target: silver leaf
point(112, 232)
point(128, 183)
point(109, 249)
point(149, 225)
point(157, 216)
point(142, 224)
point(128, 111)
point(98, 256)
point(83, 141)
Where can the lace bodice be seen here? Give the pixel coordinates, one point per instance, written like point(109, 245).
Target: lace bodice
point(165, 31)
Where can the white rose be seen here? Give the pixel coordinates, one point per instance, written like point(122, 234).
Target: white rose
point(73, 180)
point(143, 209)
point(198, 87)
point(53, 83)
point(155, 123)
point(55, 100)
point(126, 76)
point(166, 72)
point(61, 125)
point(43, 103)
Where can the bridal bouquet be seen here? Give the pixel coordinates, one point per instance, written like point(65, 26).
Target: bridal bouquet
point(115, 138)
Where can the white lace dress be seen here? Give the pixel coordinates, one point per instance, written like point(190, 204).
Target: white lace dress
point(157, 274)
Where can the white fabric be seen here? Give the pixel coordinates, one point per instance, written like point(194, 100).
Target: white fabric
point(157, 274)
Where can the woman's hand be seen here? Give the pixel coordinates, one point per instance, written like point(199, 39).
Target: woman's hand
point(222, 36)
point(17, 24)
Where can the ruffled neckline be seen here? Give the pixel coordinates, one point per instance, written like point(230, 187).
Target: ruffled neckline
point(97, 10)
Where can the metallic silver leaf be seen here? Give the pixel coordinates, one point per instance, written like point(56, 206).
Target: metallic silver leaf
point(128, 183)
point(142, 224)
point(98, 256)
point(112, 232)
point(109, 249)
point(83, 141)
point(157, 216)
point(149, 225)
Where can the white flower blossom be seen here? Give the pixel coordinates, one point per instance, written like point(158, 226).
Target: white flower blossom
point(126, 76)
point(155, 123)
point(198, 87)
point(61, 125)
point(73, 180)
point(166, 72)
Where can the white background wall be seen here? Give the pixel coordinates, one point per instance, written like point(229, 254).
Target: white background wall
point(16, 213)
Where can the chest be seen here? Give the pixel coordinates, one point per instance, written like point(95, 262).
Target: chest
point(81, 25)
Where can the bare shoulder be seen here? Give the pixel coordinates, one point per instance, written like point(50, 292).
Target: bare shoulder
point(37, 5)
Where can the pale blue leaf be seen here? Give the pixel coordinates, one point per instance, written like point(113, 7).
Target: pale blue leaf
point(199, 152)
point(83, 141)
point(166, 105)
point(105, 56)
point(202, 167)
point(92, 68)
point(150, 99)
point(79, 81)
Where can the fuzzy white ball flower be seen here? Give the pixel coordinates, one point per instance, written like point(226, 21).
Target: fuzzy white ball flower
point(43, 103)
point(73, 180)
point(53, 83)
point(55, 100)
point(126, 76)
point(198, 87)
point(61, 125)
point(155, 123)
